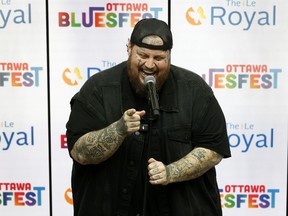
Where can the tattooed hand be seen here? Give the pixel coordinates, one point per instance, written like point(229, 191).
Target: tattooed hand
point(191, 166)
point(130, 122)
point(95, 147)
point(157, 172)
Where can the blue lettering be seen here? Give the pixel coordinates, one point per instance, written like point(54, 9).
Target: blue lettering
point(31, 200)
point(3, 78)
point(28, 81)
point(247, 141)
point(264, 198)
point(273, 194)
point(5, 18)
point(7, 196)
point(217, 16)
point(155, 10)
point(20, 138)
point(8, 141)
point(241, 198)
point(266, 81)
point(39, 190)
point(275, 76)
point(237, 140)
point(245, 18)
point(91, 71)
point(238, 18)
point(18, 17)
point(123, 19)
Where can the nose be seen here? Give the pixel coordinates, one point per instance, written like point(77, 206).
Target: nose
point(149, 63)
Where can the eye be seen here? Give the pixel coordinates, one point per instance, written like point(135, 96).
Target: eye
point(158, 58)
point(143, 56)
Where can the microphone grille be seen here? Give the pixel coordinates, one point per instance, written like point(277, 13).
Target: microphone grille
point(149, 79)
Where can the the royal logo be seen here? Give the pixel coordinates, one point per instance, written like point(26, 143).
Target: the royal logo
point(245, 14)
point(195, 17)
point(71, 77)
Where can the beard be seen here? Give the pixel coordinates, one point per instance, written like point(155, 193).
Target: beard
point(140, 88)
point(137, 85)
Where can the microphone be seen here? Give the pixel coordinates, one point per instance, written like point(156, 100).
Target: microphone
point(150, 83)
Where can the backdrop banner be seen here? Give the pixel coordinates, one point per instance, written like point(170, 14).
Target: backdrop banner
point(240, 48)
point(84, 39)
point(24, 161)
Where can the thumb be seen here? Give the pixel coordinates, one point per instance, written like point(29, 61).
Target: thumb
point(130, 112)
point(151, 160)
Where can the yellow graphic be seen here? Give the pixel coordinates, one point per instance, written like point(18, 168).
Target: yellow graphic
point(195, 17)
point(70, 78)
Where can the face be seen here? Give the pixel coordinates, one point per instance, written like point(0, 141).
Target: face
point(143, 62)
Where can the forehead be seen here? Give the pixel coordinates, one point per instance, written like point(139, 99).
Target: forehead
point(146, 51)
point(153, 40)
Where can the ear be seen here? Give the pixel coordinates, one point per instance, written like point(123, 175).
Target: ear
point(129, 48)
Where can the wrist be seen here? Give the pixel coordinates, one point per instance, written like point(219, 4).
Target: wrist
point(168, 174)
point(121, 127)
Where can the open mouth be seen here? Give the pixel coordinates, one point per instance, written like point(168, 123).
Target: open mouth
point(145, 73)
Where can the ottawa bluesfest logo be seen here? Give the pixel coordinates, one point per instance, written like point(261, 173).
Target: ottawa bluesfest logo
point(19, 74)
point(20, 194)
point(248, 196)
point(243, 76)
point(110, 15)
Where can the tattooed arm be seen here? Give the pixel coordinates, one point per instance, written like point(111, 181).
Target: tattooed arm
point(193, 165)
point(97, 146)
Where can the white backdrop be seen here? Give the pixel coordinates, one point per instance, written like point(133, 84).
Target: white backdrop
point(24, 159)
point(238, 47)
point(77, 53)
point(241, 49)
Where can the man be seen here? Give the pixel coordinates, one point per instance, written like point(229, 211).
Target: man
point(126, 161)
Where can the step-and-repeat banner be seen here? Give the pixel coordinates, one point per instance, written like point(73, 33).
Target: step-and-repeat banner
point(85, 39)
point(24, 145)
point(238, 47)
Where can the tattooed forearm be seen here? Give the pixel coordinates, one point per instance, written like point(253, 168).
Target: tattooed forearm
point(121, 127)
point(193, 165)
point(97, 146)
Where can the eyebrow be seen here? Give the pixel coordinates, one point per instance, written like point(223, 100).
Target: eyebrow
point(141, 51)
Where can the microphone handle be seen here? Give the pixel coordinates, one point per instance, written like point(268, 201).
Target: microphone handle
point(153, 100)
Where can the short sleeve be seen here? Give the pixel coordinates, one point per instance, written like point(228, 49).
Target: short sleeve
point(211, 132)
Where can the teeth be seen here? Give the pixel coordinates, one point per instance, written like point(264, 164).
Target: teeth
point(147, 73)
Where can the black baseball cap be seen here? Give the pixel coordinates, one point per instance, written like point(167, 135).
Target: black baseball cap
point(152, 26)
